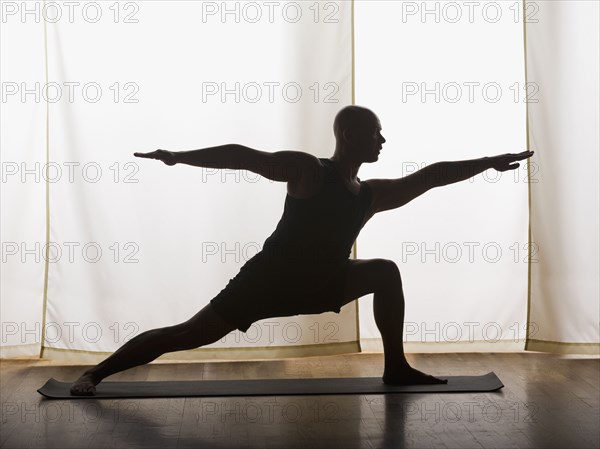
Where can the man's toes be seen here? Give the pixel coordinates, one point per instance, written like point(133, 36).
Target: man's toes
point(440, 381)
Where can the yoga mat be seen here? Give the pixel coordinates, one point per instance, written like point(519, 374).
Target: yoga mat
point(269, 387)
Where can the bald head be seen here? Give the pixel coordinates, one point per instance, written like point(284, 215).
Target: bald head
point(358, 135)
point(352, 118)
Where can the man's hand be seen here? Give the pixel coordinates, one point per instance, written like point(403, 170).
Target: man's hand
point(168, 157)
point(508, 161)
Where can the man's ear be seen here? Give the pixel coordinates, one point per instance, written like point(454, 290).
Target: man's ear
point(347, 135)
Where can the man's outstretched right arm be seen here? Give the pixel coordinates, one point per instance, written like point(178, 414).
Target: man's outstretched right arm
point(283, 166)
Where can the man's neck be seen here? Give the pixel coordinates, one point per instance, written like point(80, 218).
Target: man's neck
point(347, 170)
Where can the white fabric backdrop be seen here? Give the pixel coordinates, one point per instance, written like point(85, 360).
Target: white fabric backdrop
point(22, 196)
point(138, 245)
point(562, 57)
point(171, 237)
point(454, 89)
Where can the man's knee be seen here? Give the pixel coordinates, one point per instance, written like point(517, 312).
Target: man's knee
point(205, 327)
point(369, 276)
point(390, 269)
point(195, 336)
point(390, 273)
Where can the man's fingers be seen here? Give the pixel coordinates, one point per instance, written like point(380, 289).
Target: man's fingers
point(525, 154)
point(521, 156)
point(146, 155)
point(151, 155)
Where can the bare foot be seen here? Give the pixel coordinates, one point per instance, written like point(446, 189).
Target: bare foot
point(84, 386)
point(411, 376)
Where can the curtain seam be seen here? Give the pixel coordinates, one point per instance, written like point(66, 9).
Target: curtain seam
point(46, 263)
point(352, 81)
point(528, 146)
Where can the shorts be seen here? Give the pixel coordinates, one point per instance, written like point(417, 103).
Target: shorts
point(267, 288)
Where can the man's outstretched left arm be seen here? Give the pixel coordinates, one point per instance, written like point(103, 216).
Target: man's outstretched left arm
point(393, 193)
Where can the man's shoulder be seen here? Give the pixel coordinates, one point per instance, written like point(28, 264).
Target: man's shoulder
point(313, 175)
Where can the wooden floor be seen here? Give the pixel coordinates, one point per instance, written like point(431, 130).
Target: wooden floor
point(548, 401)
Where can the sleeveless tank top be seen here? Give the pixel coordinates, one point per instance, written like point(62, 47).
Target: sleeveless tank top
point(319, 231)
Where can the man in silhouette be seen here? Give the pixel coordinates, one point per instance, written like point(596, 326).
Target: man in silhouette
point(304, 266)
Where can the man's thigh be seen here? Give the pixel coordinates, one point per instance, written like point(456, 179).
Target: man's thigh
point(364, 276)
